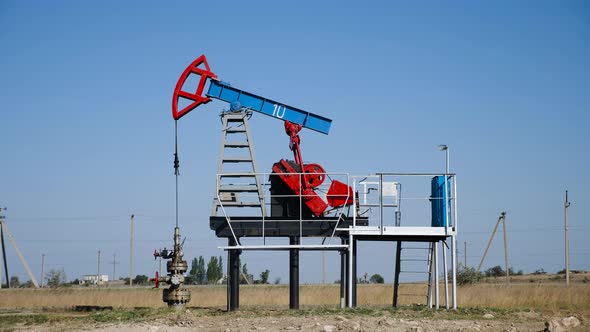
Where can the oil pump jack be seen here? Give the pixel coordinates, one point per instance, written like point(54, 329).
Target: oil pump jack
point(312, 175)
point(293, 178)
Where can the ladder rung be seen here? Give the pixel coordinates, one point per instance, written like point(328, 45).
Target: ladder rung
point(237, 159)
point(414, 260)
point(234, 117)
point(236, 130)
point(415, 272)
point(240, 204)
point(237, 175)
point(236, 144)
point(236, 188)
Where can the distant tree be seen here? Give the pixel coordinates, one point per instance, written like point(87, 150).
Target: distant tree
point(376, 279)
point(264, 276)
point(495, 271)
point(191, 277)
point(467, 275)
point(141, 279)
point(28, 284)
point(201, 271)
point(213, 272)
point(539, 271)
point(277, 281)
point(14, 282)
point(56, 278)
point(337, 281)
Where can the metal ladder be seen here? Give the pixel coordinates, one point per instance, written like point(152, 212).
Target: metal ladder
point(236, 136)
point(399, 271)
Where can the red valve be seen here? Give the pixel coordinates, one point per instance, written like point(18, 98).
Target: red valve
point(156, 280)
point(197, 97)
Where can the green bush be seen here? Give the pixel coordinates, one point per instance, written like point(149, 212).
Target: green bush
point(468, 275)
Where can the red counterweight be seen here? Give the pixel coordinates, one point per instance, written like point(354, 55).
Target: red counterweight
point(313, 175)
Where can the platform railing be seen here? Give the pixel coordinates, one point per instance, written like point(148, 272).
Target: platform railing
point(331, 214)
point(381, 193)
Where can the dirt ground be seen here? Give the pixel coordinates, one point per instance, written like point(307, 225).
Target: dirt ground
point(305, 320)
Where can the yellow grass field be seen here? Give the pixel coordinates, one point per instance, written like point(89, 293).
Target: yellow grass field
point(539, 297)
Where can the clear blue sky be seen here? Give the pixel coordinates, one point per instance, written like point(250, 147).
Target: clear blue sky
point(87, 135)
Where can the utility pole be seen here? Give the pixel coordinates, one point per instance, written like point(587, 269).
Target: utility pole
point(501, 218)
point(505, 247)
point(131, 253)
point(114, 264)
point(42, 270)
point(566, 205)
point(18, 253)
point(3, 250)
point(465, 254)
point(98, 271)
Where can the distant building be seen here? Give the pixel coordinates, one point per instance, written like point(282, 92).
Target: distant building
point(94, 279)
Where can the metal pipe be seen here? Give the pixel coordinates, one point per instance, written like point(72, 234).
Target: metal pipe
point(342, 276)
point(354, 202)
point(430, 277)
point(354, 273)
point(349, 281)
point(444, 254)
point(454, 267)
point(294, 274)
point(436, 282)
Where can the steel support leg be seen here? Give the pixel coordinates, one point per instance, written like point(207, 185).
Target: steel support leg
point(343, 276)
point(436, 282)
point(349, 269)
point(294, 274)
point(430, 276)
point(398, 253)
point(354, 273)
point(234, 278)
point(444, 252)
point(454, 267)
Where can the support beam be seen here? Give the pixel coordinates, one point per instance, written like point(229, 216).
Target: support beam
point(4, 257)
point(398, 254)
point(354, 273)
point(446, 271)
point(454, 267)
point(436, 282)
point(342, 276)
point(234, 277)
point(349, 283)
point(294, 274)
point(20, 255)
